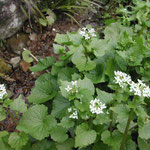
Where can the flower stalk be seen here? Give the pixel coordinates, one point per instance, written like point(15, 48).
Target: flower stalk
point(111, 122)
point(126, 130)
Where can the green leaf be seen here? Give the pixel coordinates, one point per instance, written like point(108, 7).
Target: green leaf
point(66, 123)
point(84, 136)
point(121, 63)
point(100, 146)
point(82, 62)
point(100, 47)
point(87, 85)
point(19, 105)
point(26, 56)
point(65, 73)
point(37, 122)
point(114, 140)
point(61, 39)
point(74, 48)
point(3, 133)
point(60, 105)
point(130, 145)
point(2, 114)
point(111, 66)
point(75, 38)
point(58, 49)
point(58, 134)
point(43, 145)
point(143, 144)
point(84, 106)
point(114, 31)
point(133, 53)
point(43, 64)
point(144, 131)
point(4, 146)
point(141, 112)
point(101, 119)
point(44, 90)
point(105, 97)
point(122, 111)
point(96, 75)
point(67, 145)
point(122, 125)
point(18, 140)
point(51, 17)
point(43, 22)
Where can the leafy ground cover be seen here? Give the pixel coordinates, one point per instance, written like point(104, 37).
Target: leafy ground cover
point(94, 95)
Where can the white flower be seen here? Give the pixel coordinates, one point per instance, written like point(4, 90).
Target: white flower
point(92, 30)
point(146, 92)
point(68, 88)
point(2, 91)
point(69, 109)
point(140, 89)
point(83, 33)
point(93, 35)
point(122, 79)
point(96, 106)
point(87, 33)
point(74, 83)
point(134, 87)
point(84, 28)
point(87, 37)
point(74, 113)
point(72, 89)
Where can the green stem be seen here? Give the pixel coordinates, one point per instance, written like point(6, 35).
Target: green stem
point(10, 114)
point(126, 130)
point(111, 122)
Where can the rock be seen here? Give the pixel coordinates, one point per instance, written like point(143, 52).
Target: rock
point(33, 37)
point(4, 67)
point(11, 18)
point(15, 61)
point(15, 44)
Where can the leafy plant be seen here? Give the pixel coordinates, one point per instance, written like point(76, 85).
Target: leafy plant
point(138, 12)
point(96, 95)
point(69, 7)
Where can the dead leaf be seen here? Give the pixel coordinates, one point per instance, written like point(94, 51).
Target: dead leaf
point(25, 66)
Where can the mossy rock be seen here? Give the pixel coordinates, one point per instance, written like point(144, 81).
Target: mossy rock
point(4, 67)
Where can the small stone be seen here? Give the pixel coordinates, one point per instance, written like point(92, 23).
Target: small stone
point(33, 37)
point(15, 61)
point(28, 30)
point(54, 29)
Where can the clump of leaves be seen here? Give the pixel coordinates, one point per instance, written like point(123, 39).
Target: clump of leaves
point(95, 95)
point(139, 12)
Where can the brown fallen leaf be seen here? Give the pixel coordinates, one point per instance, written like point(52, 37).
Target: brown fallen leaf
point(7, 78)
point(25, 66)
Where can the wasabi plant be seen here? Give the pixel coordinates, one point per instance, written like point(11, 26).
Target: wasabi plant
point(95, 96)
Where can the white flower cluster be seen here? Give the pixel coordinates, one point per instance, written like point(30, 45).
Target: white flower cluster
point(96, 106)
point(2, 91)
point(122, 79)
point(73, 88)
point(74, 113)
point(139, 89)
point(87, 33)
